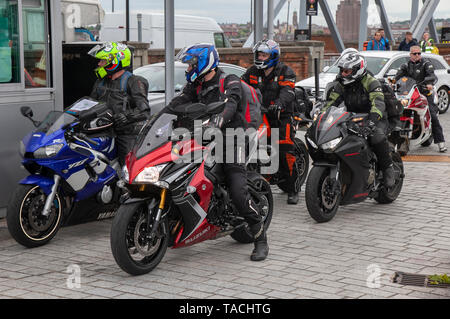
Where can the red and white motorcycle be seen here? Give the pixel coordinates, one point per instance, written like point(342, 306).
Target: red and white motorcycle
point(416, 118)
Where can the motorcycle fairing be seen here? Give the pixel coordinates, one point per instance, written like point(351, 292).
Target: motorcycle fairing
point(355, 153)
point(44, 182)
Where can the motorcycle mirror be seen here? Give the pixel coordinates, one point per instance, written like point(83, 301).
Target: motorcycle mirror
point(391, 73)
point(448, 71)
point(26, 111)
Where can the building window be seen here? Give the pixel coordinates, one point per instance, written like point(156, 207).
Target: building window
point(9, 42)
point(35, 43)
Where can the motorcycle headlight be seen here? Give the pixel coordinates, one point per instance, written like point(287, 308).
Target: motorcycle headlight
point(125, 174)
point(331, 144)
point(312, 143)
point(149, 174)
point(47, 151)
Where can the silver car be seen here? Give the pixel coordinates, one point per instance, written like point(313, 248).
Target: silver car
point(380, 63)
point(155, 75)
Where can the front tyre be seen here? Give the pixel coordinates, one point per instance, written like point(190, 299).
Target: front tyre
point(24, 218)
point(322, 198)
point(134, 250)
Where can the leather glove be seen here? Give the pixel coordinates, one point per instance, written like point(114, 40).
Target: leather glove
point(120, 119)
point(372, 120)
point(274, 110)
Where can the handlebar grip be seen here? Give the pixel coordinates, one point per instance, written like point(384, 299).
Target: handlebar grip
point(87, 139)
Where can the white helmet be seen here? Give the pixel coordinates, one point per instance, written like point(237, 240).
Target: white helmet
point(356, 63)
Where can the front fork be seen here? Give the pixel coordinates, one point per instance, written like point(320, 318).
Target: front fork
point(155, 225)
point(51, 196)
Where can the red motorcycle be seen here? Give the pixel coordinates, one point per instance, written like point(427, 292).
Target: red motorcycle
point(177, 203)
point(415, 119)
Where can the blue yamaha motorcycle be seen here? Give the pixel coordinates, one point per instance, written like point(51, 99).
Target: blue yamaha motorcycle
point(71, 157)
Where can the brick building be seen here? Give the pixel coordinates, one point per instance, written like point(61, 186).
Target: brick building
point(347, 19)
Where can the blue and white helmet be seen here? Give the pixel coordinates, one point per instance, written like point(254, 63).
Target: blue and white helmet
point(267, 46)
point(202, 57)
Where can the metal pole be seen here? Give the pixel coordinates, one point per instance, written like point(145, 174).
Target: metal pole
point(139, 22)
point(363, 16)
point(302, 24)
point(332, 25)
point(112, 9)
point(169, 43)
point(414, 11)
point(270, 17)
point(287, 20)
point(249, 42)
point(127, 19)
point(259, 13)
point(251, 16)
point(316, 77)
point(310, 28)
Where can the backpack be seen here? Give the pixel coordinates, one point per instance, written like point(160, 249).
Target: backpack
point(394, 107)
point(302, 103)
point(249, 109)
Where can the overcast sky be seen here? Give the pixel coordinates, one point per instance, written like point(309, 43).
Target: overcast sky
point(239, 10)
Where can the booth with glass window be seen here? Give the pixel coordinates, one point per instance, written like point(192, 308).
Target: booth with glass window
point(30, 75)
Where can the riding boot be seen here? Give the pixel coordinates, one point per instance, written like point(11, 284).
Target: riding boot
point(385, 162)
point(261, 247)
point(292, 198)
point(389, 176)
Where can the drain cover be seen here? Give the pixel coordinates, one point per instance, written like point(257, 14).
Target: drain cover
point(430, 281)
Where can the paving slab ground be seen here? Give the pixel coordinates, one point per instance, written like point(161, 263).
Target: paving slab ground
point(352, 256)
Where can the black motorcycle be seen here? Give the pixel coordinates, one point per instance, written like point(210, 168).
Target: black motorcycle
point(345, 170)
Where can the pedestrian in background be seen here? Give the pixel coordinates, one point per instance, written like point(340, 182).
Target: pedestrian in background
point(408, 42)
point(427, 44)
point(384, 40)
point(375, 43)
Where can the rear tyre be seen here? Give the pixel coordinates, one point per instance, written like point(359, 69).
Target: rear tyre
point(388, 195)
point(301, 165)
point(134, 251)
point(321, 200)
point(264, 202)
point(24, 218)
point(428, 142)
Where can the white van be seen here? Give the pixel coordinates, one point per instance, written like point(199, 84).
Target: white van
point(81, 20)
point(188, 30)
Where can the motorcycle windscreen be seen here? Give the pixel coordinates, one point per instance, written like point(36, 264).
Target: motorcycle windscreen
point(328, 124)
point(154, 134)
point(404, 86)
point(53, 122)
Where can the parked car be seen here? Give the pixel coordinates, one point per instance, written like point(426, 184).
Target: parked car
point(380, 63)
point(155, 75)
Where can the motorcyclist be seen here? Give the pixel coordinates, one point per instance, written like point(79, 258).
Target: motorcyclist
point(203, 85)
point(125, 93)
point(276, 81)
point(422, 71)
point(362, 93)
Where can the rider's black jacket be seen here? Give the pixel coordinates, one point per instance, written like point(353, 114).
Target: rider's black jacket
point(421, 71)
point(207, 92)
point(277, 88)
point(129, 100)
